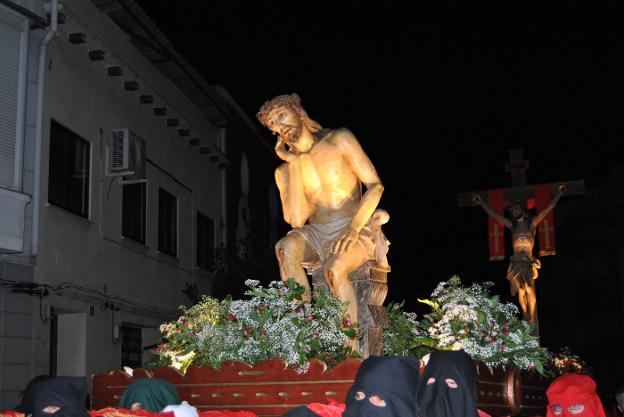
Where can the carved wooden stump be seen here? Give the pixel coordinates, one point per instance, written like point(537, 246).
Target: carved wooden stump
point(371, 288)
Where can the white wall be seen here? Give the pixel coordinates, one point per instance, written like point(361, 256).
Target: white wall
point(72, 345)
point(15, 344)
point(91, 252)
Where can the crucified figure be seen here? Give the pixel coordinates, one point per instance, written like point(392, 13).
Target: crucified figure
point(523, 266)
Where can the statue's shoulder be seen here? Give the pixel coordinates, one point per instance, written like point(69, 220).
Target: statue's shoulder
point(282, 169)
point(338, 135)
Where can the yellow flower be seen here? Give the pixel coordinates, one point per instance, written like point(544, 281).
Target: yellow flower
point(182, 362)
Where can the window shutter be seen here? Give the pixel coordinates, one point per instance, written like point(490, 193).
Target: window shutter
point(9, 80)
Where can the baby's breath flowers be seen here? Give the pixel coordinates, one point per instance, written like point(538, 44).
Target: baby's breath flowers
point(273, 323)
point(471, 319)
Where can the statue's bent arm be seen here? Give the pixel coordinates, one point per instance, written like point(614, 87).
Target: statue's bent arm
point(365, 171)
point(542, 215)
point(491, 212)
point(290, 185)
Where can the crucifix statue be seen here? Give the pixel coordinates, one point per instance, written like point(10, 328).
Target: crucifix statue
point(520, 199)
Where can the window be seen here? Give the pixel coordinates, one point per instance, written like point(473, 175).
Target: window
point(10, 91)
point(205, 241)
point(133, 212)
point(68, 183)
point(167, 223)
point(131, 346)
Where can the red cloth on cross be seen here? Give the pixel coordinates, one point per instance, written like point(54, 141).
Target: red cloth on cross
point(546, 229)
point(496, 230)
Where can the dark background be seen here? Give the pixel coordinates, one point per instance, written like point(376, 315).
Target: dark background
point(438, 95)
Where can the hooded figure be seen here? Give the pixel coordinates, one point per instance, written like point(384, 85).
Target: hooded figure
point(47, 396)
point(448, 386)
point(573, 395)
point(384, 386)
point(151, 394)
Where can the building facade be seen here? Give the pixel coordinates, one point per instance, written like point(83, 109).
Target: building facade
point(113, 186)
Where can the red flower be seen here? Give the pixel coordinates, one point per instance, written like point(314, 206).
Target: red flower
point(246, 332)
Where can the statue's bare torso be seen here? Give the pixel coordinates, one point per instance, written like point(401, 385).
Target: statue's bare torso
point(330, 184)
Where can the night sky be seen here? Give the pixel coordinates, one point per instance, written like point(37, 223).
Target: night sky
point(437, 93)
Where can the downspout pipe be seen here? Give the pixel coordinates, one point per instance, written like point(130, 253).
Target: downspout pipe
point(224, 219)
point(39, 126)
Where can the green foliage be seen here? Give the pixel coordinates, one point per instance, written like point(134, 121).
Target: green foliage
point(273, 323)
point(471, 319)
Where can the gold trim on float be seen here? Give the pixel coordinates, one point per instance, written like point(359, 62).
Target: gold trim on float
point(251, 384)
point(248, 406)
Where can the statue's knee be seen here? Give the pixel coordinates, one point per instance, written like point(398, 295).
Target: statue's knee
point(284, 248)
point(335, 275)
point(279, 250)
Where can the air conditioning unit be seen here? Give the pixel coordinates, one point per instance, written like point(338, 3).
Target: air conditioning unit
point(127, 155)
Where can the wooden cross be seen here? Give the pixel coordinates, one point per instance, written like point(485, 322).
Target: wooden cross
point(519, 191)
point(516, 167)
point(542, 196)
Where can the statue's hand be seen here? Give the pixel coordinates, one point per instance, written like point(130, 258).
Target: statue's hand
point(562, 188)
point(282, 153)
point(476, 198)
point(345, 240)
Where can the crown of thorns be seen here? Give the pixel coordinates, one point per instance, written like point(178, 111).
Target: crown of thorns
point(285, 100)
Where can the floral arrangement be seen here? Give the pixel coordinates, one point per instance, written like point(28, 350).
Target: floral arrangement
point(273, 323)
point(468, 318)
point(567, 362)
point(399, 338)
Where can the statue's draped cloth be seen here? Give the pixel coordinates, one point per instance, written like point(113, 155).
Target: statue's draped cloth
point(321, 236)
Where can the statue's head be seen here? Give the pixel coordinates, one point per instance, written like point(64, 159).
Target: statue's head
point(519, 209)
point(289, 102)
